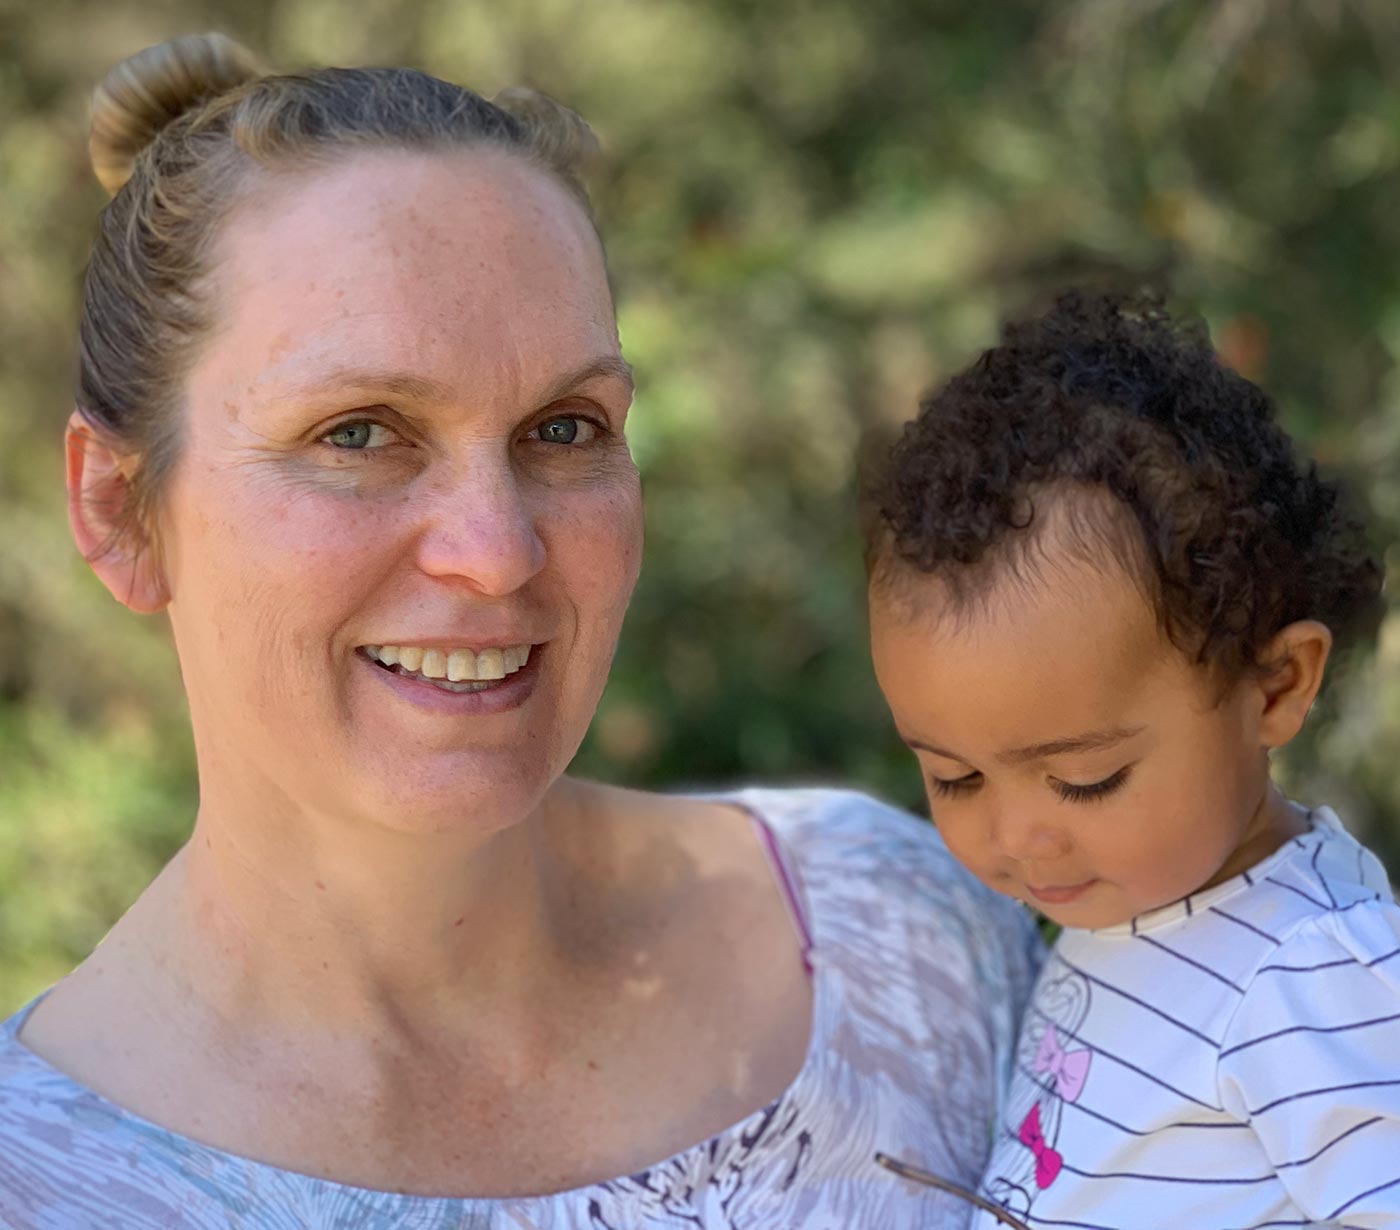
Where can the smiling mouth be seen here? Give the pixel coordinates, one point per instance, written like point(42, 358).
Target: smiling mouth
point(452, 670)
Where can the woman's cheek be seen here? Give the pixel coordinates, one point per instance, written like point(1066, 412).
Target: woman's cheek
point(606, 536)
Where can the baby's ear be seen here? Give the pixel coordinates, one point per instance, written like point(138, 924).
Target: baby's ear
point(98, 490)
point(1295, 661)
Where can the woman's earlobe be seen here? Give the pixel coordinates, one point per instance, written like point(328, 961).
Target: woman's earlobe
point(98, 491)
point(1297, 658)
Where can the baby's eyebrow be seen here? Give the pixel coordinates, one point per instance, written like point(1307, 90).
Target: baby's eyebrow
point(1090, 741)
point(1093, 740)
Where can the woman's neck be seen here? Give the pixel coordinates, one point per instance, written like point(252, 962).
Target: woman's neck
point(275, 918)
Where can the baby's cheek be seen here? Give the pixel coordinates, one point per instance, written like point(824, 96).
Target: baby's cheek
point(961, 839)
point(1174, 866)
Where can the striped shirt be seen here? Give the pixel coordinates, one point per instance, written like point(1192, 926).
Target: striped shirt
point(1228, 1062)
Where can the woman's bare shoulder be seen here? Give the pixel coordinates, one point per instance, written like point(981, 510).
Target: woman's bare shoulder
point(707, 834)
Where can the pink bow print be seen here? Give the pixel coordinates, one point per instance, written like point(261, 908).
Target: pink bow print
point(1047, 1161)
point(1069, 1068)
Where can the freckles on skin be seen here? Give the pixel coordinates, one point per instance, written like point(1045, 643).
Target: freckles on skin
point(284, 341)
point(473, 278)
point(610, 524)
point(423, 291)
point(264, 530)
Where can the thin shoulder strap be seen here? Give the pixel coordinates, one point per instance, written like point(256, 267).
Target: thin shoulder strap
point(788, 884)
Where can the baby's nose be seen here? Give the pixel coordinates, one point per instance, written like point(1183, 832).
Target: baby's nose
point(1026, 837)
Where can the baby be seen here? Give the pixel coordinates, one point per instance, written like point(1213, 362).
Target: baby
point(1103, 589)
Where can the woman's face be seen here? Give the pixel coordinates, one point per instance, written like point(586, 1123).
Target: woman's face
point(404, 440)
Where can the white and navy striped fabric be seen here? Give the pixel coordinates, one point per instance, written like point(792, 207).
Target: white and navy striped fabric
point(1229, 1062)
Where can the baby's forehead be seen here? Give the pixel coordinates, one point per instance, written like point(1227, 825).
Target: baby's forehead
point(1064, 644)
point(1064, 608)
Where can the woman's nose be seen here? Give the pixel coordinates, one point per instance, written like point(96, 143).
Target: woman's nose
point(479, 529)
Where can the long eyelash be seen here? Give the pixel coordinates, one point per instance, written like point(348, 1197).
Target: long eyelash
point(959, 785)
point(1098, 790)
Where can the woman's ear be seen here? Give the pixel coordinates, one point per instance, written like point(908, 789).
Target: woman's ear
point(98, 486)
point(1297, 658)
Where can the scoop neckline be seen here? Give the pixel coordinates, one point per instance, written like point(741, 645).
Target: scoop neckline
point(1322, 821)
point(823, 996)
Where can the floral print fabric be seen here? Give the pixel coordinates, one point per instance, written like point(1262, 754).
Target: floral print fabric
point(920, 976)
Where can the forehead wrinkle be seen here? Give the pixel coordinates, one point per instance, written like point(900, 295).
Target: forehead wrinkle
point(369, 380)
point(398, 382)
point(418, 388)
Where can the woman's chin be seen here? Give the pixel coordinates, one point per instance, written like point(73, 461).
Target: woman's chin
point(468, 792)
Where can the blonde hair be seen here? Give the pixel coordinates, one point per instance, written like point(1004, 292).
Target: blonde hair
point(179, 132)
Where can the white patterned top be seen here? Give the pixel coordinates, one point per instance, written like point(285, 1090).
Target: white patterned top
point(920, 975)
point(1229, 1062)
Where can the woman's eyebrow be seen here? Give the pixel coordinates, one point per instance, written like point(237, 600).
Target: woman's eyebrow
point(418, 388)
point(365, 379)
point(614, 366)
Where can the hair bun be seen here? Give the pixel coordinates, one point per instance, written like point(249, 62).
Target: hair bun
point(142, 94)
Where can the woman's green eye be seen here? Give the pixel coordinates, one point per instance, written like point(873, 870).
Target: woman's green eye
point(566, 430)
point(352, 435)
point(359, 435)
point(559, 431)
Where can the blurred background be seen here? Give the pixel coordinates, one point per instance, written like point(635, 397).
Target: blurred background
point(814, 209)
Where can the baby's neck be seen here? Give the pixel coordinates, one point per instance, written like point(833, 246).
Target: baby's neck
point(1275, 821)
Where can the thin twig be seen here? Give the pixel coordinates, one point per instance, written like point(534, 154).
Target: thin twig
point(906, 1171)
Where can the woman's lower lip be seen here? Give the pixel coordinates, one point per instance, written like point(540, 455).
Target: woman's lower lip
point(509, 693)
point(1060, 895)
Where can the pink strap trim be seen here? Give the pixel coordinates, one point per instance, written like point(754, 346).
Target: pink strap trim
point(788, 884)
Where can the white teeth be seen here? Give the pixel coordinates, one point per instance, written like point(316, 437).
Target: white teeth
point(468, 685)
point(461, 665)
point(490, 664)
point(455, 669)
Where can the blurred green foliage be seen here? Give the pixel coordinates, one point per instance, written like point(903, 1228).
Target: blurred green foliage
point(814, 209)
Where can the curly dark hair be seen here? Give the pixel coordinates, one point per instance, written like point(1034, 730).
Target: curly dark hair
point(1191, 486)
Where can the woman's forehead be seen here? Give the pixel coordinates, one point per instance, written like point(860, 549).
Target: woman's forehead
point(391, 258)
